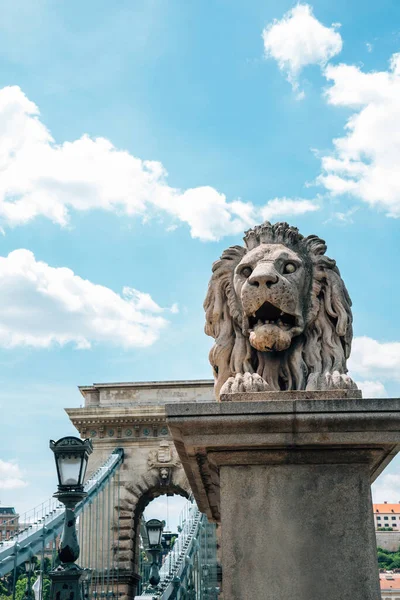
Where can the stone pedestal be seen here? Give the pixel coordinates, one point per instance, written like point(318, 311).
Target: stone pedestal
point(290, 482)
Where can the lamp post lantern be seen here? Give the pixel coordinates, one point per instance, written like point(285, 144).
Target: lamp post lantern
point(71, 456)
point(154, 529)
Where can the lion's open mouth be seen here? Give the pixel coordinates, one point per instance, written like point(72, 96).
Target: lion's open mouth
point(270, 314)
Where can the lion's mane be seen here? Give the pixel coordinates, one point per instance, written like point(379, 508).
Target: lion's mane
point(325, 343)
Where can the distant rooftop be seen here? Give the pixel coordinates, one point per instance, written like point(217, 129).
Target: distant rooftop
point(151, 384)
point(145, 393)
point(7, 510)
point(387, 507)
point(389, 581)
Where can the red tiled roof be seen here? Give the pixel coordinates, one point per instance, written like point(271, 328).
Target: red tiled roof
point(389, 581)
point(387, 508)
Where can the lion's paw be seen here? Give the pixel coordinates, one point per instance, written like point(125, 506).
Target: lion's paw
point(330, 381)
point(247, 382)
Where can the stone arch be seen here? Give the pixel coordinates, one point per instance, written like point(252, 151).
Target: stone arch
point(137, 494)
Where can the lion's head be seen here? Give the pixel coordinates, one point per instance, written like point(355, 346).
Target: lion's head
point(279, 308)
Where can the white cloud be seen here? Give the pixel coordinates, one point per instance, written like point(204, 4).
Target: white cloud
point(280, 207)
point(372, 389)
point(365, 162)
point(370, 358)
point(42, 178)
point(344, 217)
point(386, 488)
point(11, 477)
point(41, 305)
point(298, 40)
point(208, 213)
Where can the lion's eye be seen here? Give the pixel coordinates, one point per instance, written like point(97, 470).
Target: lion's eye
point(247, 271)
point(289, 268)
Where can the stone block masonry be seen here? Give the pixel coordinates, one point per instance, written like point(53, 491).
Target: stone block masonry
point(290, 482)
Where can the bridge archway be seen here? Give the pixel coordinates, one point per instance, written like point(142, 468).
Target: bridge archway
point(132, 416)
point(137, 495)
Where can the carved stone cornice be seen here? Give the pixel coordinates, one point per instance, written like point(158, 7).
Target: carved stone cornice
point(119, 411)
point(115, 421)
point(120, 422)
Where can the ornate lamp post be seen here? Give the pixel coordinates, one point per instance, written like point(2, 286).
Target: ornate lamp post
point(71, 455)
point(29, 568)
point(154, 529)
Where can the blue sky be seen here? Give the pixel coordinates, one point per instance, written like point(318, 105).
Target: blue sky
point(138, 140)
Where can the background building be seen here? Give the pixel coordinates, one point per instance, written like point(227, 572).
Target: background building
point(387, 515)
point(9, 521)
point(390, 585)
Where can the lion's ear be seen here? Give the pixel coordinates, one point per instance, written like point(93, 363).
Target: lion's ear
point(221, 302)
point(338, 306)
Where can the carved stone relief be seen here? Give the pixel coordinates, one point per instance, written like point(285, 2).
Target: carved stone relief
point(164, 459)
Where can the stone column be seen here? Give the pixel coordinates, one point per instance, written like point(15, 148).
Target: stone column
point(290, 480)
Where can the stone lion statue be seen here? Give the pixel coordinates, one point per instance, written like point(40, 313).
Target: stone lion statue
point(280, 315)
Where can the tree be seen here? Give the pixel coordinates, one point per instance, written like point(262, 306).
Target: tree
point(3, 588)
point(388, 560)
point(9, 578)
point(20, 587)
point(46, 565)
point(396, 563)
point(4, 595)
point(46, 588)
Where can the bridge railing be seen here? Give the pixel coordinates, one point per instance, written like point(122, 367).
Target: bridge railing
point(43, 526)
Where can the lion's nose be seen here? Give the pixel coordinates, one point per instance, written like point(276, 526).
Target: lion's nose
point(267, 277)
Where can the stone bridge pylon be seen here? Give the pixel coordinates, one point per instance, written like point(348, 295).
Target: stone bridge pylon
point(132, 416)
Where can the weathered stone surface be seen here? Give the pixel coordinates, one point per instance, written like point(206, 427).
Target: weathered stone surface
point(208, 436)
point(291, 395)
point(290, 483)
point(293, 531)
point(147, 393)
point(280, 315)
point(388, 540)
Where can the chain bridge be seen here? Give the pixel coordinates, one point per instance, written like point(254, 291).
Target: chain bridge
point(134, 461)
